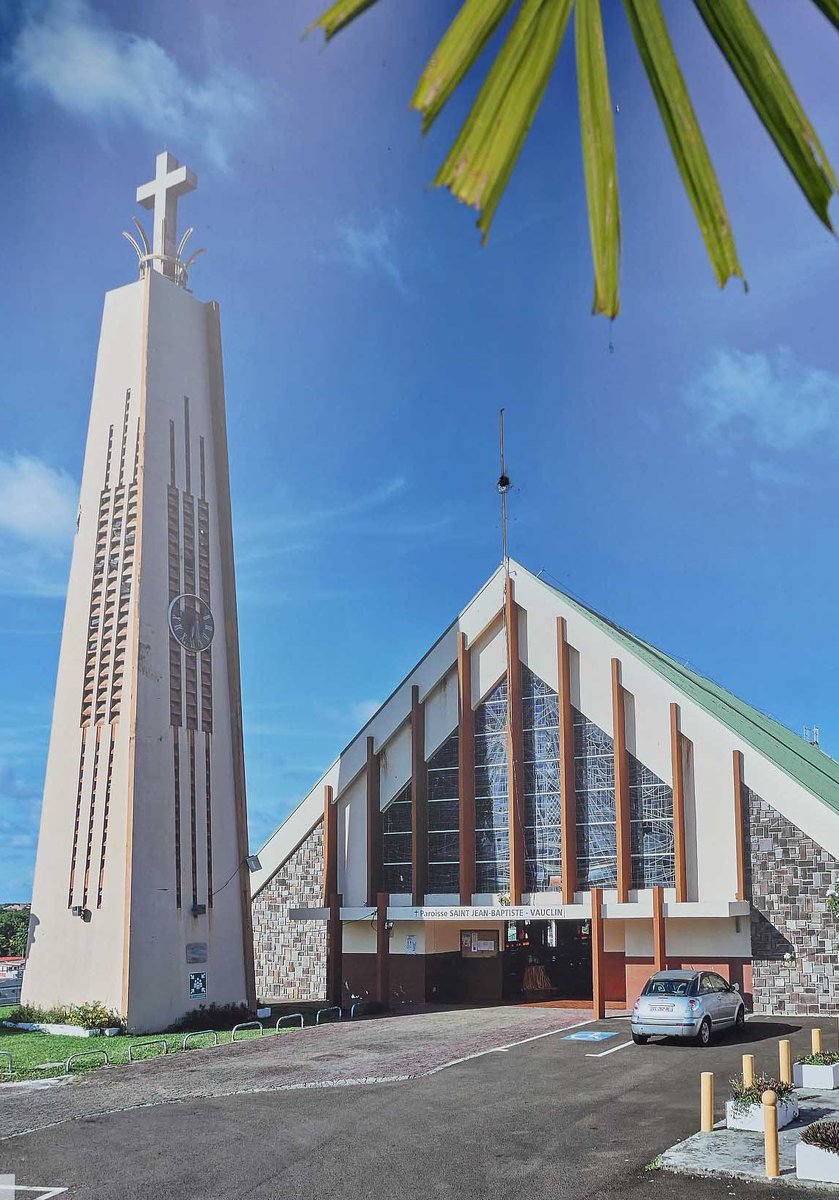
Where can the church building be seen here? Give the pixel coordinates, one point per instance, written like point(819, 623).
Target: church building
point(548, 807)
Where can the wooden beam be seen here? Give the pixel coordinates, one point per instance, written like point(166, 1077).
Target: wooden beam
point(659, 940)
point(739, 825)
point(622, 831)
point(515, 746)
point(330, 845)
point(382, 950)
point(677, 758)
point(567, 775)
point(419, 800)
point(466, 770)
point(334, 952)
point(374, 824)
point(598, 972)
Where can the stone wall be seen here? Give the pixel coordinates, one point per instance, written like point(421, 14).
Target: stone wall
point(290, 956)
point(789, 875)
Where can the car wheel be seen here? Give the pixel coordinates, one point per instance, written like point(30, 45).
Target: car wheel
point(640, 1039)
point(740, 1020)
point(703, 1037)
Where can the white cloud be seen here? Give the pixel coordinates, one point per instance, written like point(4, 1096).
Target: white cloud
point(363, 710)
point(771, 404)
point(72, 54)
point(371, 250)
point(37, 517)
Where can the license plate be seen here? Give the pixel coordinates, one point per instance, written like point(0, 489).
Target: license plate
point(661, 1007)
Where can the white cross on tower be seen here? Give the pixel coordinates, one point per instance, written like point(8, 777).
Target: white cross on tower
point(161, 195)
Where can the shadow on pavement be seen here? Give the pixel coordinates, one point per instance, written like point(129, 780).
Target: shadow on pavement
point(754, 1031)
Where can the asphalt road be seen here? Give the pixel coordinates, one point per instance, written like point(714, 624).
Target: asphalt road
point(544, 1119)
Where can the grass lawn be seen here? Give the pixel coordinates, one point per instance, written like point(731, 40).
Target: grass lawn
point(30, 1050)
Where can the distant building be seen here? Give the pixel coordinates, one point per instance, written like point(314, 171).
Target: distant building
point(550, 807)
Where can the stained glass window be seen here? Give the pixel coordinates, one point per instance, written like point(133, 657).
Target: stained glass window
point(651, 827)
point(492, 834)
point(444, 818)
point(594, 774)
point(397, 867)
point(542, 803)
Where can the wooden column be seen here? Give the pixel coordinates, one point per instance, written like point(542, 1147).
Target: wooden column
point(330, 845)
point(374, 825)
point(466, 771)
point(515, 747)
point(334, 952)
point(567, 776)
point(598, 974)
point(659, 941)
point(622, 832)
point(739, 825)
point(382, 951)
point(677, 758)
point(419, 800)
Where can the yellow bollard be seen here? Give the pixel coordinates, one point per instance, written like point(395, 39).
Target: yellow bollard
point(816, 1040)
point(785, 1053)
point(707, 1101)
point(748, 1070)
point(769, 1099)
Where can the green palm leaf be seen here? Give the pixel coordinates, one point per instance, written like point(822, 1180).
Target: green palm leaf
point(597, 129)
point(749, 53)
point(686, 141)
point(338, 15)
point(479, 164)
point(830, 8)
point(462, 43)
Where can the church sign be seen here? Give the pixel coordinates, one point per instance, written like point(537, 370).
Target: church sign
point(500, 912)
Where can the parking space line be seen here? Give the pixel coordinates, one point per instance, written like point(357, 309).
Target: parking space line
point(613, 1050)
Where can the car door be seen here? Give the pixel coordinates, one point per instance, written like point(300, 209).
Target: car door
point(709, 997)
point(728, 1001)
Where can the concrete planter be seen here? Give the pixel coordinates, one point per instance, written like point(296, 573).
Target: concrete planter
point(811, 1162)
point(751, 1118)
point(63, 1030)
point(822, 1078)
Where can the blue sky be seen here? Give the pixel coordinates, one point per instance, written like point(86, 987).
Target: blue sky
point(676, 470)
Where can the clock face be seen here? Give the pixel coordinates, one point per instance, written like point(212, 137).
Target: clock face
point(191, 622)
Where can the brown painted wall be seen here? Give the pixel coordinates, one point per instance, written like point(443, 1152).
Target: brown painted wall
point(735, 970)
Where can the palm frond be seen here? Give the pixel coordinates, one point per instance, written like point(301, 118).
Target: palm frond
point(339, 15)
point(747, 50)
point(830, 8)
point(481, 160)
point(460, 46)
point(597, 130)
point(686, 141)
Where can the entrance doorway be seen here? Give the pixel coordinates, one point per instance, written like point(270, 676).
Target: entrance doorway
point(547, 960)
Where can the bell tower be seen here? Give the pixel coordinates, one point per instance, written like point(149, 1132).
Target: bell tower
point(141, 897)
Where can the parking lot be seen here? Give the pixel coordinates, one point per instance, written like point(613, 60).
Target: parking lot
point(531, 1110)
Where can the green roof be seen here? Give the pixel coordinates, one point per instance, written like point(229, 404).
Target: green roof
point(806, 764)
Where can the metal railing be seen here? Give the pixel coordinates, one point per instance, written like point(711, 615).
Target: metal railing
point(199, 1033)
point(84, 1054)
point(290, 1017)
point(10, 991)
point(334, 1008)
point(9, 1069)
point(142, 1045)
point(247, 1025)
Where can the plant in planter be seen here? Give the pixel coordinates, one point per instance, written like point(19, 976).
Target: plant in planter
point(833, 899)
point(745, 1111)
point(817, 1154)
point(820, 1071)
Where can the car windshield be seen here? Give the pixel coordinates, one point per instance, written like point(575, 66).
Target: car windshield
point(670, 987)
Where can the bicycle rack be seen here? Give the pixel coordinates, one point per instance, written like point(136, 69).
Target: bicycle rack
point(290, 1017)
point(358, 1004)
point(199, 1033)
point(84, 1054)
point(6, 1054)
point(247, 1025)
point(142, 1045)
point(334, 1009)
